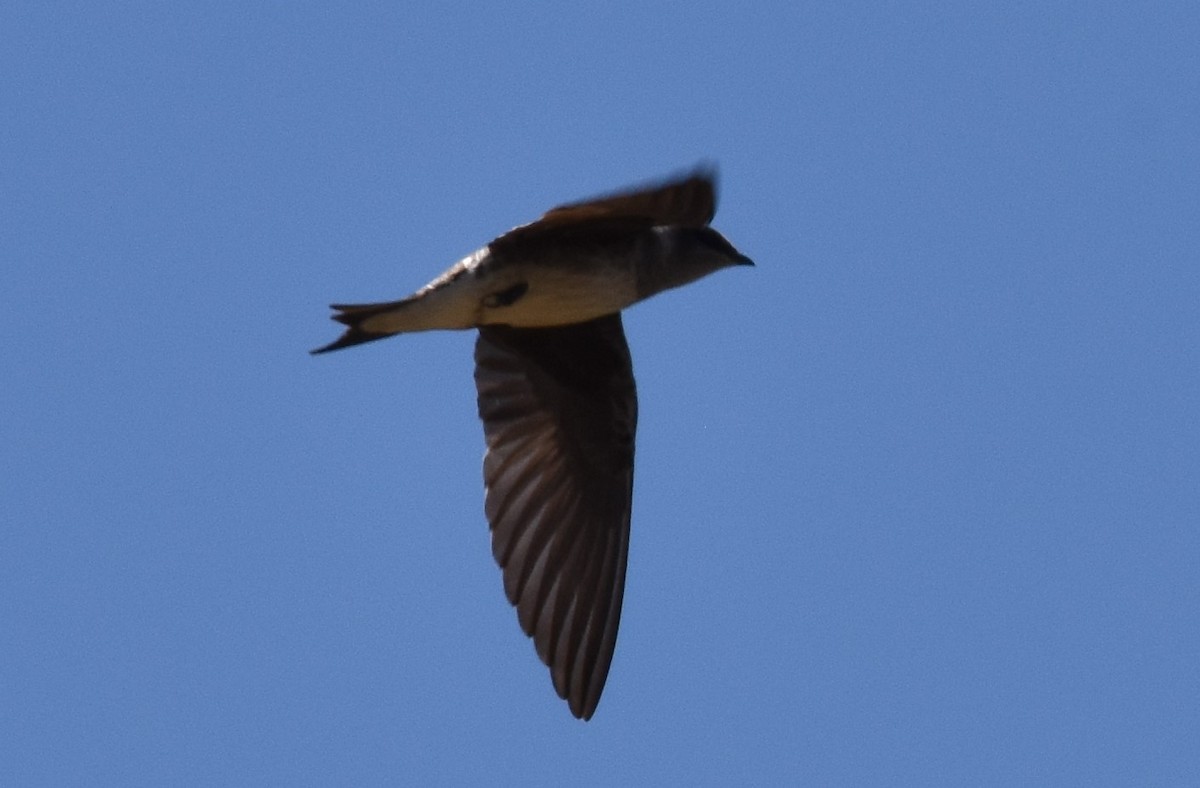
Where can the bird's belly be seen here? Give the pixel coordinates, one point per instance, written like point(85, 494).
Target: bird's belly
point(555, 298)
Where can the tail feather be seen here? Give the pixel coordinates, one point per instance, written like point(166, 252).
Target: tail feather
point(352, 316)
point(438, 305)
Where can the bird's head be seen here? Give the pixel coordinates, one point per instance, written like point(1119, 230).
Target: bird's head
point(690, 253)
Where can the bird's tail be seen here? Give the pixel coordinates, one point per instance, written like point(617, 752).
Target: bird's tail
point(359, 324)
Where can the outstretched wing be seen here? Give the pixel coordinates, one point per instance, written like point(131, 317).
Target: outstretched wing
point(559, 412)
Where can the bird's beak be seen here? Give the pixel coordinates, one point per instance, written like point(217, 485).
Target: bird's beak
point(744, 260)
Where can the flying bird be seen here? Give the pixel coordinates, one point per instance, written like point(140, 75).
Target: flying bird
point(557, 399)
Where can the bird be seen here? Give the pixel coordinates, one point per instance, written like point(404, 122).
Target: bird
point(556, 395)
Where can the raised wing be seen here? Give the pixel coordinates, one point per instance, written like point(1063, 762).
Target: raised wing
point(690, 201)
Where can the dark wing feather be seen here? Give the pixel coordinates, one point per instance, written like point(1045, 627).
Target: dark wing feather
point(559, 412)
point(689, 201)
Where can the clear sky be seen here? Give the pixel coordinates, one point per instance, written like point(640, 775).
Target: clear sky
point(917, 498)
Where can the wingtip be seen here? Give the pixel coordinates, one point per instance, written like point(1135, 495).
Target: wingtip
point(706, 168)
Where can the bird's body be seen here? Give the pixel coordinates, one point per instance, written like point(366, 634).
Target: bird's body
point(485, 288)
point(557, 398)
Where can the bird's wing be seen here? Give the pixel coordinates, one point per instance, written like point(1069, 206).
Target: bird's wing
point(689, 201)
point(559, 412)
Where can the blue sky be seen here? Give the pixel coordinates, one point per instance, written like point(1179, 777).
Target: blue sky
point(917, 498)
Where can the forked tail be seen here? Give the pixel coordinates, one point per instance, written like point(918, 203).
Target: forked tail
point(354, 317)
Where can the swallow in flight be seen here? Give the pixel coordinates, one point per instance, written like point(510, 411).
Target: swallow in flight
point(557, 398)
